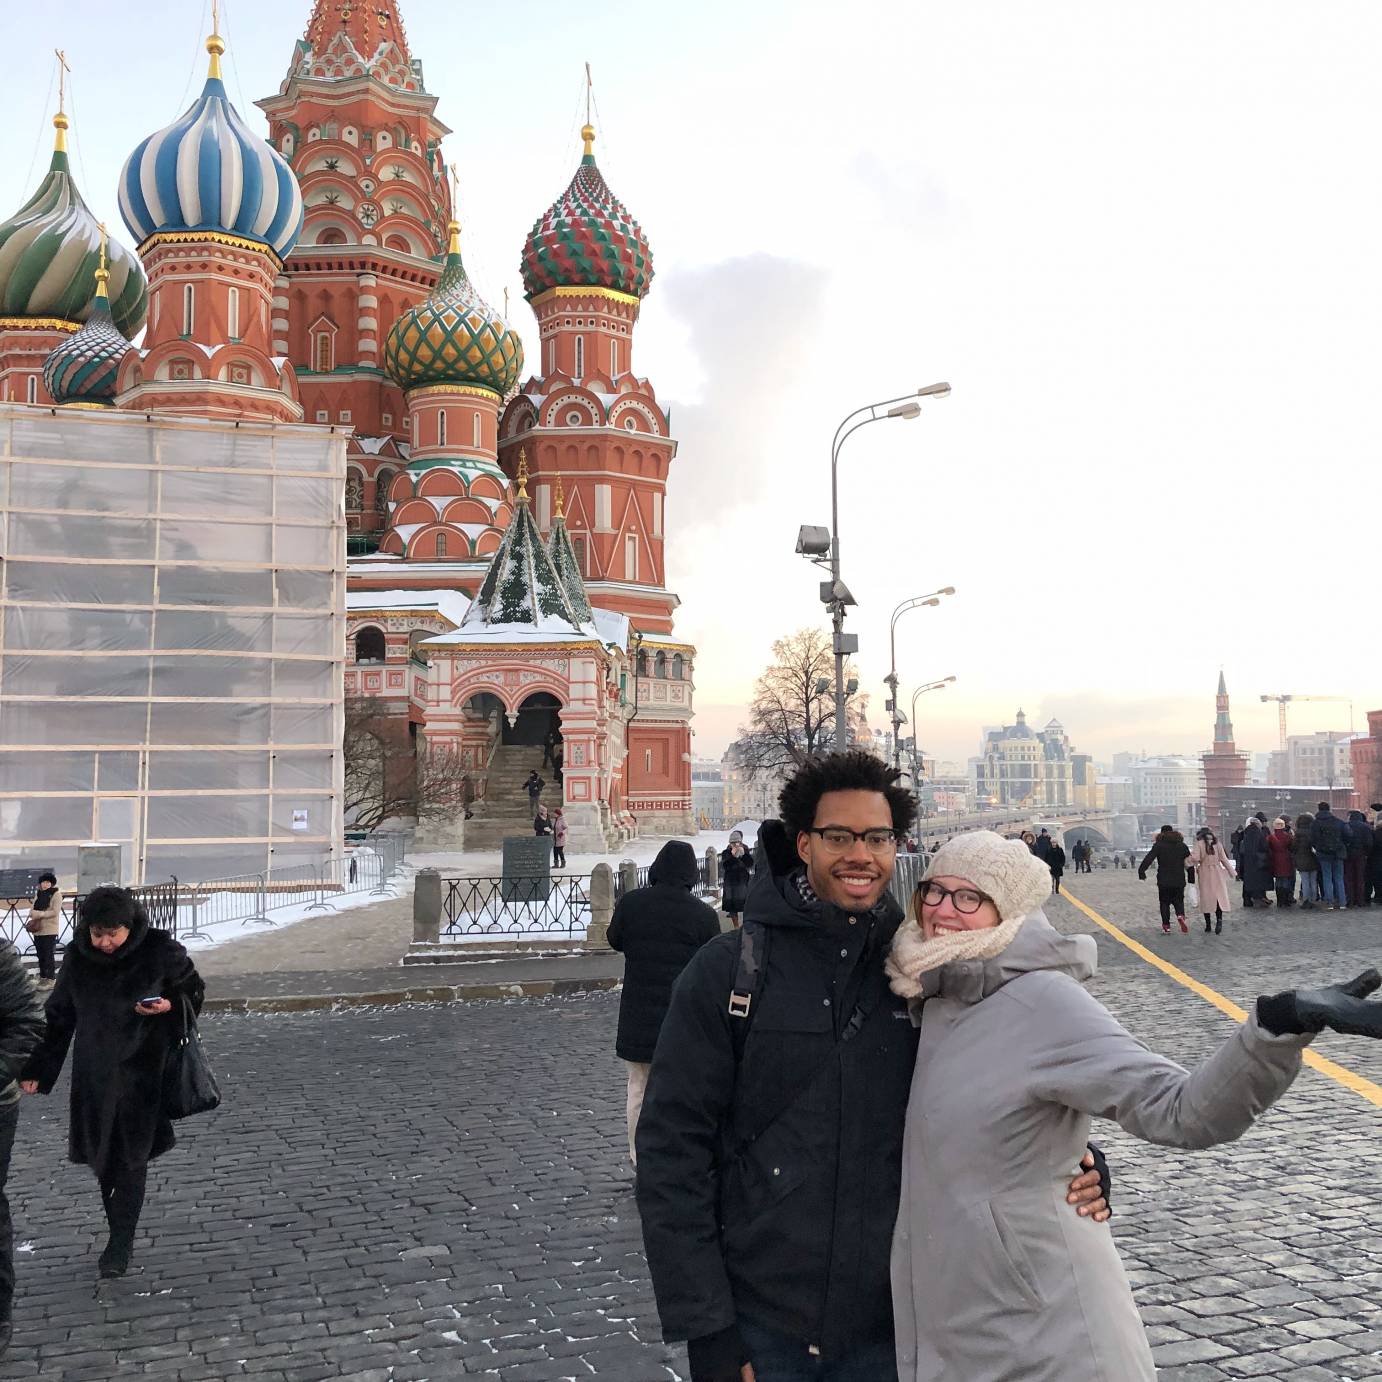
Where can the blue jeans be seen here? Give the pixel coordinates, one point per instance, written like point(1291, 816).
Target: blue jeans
point(1332, 881)
point(777, 1358)
point(1309, 886)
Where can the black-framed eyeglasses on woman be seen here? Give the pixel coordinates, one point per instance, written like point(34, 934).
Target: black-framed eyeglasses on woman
point(837, 839)
point(967, 900)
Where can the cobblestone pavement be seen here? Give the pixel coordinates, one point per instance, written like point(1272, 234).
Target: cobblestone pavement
point(439, 1192)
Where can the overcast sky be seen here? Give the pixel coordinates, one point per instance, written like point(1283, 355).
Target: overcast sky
point(1141, 241)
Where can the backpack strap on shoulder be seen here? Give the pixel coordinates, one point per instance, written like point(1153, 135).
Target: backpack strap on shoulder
point(753, 955)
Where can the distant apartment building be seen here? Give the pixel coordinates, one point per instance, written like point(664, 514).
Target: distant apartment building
point(1324, 759)
point(747, 795)
point(1117, 792)
point(1084, 783)
point(1020, 766)
point(1167, 780)
point(708, 793)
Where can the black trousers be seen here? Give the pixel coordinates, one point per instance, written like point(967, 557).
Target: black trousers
point(122, 1194)
point(558, 856)
point(1169, 898)
point(45, 947)
point(9, 1120)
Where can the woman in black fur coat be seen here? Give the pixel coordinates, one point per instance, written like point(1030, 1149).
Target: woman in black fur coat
point(120, 1047)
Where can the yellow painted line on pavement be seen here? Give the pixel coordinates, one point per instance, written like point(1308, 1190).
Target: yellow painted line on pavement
point(1364, 1088)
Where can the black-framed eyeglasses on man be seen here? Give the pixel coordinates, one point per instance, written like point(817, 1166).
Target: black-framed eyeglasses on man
point(838, 838)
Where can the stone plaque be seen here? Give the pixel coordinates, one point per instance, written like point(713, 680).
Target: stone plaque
point(527, 868)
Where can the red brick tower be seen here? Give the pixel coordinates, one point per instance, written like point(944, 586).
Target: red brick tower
point(1224, 766)
point(354, 119)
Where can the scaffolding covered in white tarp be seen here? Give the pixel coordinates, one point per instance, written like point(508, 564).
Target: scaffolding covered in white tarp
point(172, 638)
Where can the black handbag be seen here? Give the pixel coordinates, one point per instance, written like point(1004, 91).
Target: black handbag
point(188, 1085)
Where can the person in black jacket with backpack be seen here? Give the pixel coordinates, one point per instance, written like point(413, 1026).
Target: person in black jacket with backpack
point(770, 1146)
point(658, 928)
point(1331, 847)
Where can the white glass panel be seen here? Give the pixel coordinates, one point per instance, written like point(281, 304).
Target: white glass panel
point(210, 585)
point(79, 435)
point(205, 495)
point(302, 678)
point(306, 589)
point(87, 722)
point(197, 629)
point(286, 823)
point(184, 539)
point(222, 723)
point(303, 724)
point(40, 535)
point(86, 630)
point(116, 817)
point(305, 633)
point(303, 770)
point(308, 500)
point(242, 450)
point(307, 452)
point(53, 583)
point(185, 770)
point(45, 818)
point(193, 863)
point(211, 676)
point(185, 817)
point(101, 489)
point(118, 772)
point(115, 675)
point(309, 546)
point(47, 772)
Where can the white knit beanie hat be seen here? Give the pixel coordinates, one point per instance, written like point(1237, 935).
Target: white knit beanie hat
point(1015, 878)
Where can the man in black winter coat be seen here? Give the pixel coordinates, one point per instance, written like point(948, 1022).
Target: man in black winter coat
point(21, 1029)
point(770, 1146)
point(658, 928)
point(1169, 852)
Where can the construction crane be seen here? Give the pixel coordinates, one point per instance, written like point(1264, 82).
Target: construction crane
point(1281, 709)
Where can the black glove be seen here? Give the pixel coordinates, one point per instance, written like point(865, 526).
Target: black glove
point(1141, 877)
point(1105, 1179)
point(1340, 1007)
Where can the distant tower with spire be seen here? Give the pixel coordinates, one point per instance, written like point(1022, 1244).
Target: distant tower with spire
point(1224, 766)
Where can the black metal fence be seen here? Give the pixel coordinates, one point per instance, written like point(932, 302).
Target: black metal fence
point(703, 888)
point(164, 903)
point(514, 907)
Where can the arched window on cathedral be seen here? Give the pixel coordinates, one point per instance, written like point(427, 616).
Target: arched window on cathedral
point(189, 306)
point(383, 483)
point(441, 544)
point(578, 546)
point(325, 362)
point(354, 491)
point(369, 644)
point(678, 667)
point(580, 357)
point(233, 314)
point(331, 236)
point(33, 388)
point(475, 431)
point(614, 359)
point(660, 665)
point(441, 427)
point(642, 663)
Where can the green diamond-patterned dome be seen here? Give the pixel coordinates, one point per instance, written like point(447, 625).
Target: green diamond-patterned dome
point(454, 337)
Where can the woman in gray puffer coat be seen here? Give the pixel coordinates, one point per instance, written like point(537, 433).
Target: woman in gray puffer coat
point(993, 1277)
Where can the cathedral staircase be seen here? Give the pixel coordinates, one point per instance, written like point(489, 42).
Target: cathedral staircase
point(504, 809)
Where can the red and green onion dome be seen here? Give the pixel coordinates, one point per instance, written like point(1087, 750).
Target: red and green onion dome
point(453, 337)
point(83, 368)
point(587, 239)
point(49, 252)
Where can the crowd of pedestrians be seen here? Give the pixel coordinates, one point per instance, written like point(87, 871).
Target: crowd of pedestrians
point(1321, 861)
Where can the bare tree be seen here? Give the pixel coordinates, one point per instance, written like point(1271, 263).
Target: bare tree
point(793, 710)
point(387, 775)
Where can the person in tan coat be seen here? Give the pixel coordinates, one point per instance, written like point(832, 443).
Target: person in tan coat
point(1213, 873)
point(44, 925)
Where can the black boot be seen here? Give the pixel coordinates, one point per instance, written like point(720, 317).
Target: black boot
point(1207, 924)
point(1219, 926)
point(115, 1259)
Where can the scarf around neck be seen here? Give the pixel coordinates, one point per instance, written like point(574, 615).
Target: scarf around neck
point(912, 955)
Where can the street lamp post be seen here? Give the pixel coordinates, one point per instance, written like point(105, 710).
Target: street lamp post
point(916, 747)
point(836, 595)
point(916, 602)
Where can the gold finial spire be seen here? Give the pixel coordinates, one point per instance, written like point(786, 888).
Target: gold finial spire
point(103, 273)
point(453, 228)
point(560, 511)
point(588, 130)
point(60, 121)
point(522, 474)
point(215, 45)
point(453, 231)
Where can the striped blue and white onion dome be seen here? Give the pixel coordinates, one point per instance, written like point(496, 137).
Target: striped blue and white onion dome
point(208, 171)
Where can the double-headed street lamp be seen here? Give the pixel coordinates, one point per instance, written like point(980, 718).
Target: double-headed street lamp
point(823, 545)
point(916, 747)
point(916, 602)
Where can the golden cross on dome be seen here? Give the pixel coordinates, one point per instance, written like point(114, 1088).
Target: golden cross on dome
point(102, 273)
point(63, 70)
point(522, 474)
point(588, 132)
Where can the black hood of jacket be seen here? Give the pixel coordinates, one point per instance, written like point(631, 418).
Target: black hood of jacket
point(139, 930)
point(675, 865)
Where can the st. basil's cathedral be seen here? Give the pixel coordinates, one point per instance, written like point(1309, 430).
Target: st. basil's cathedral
point(505, 531)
